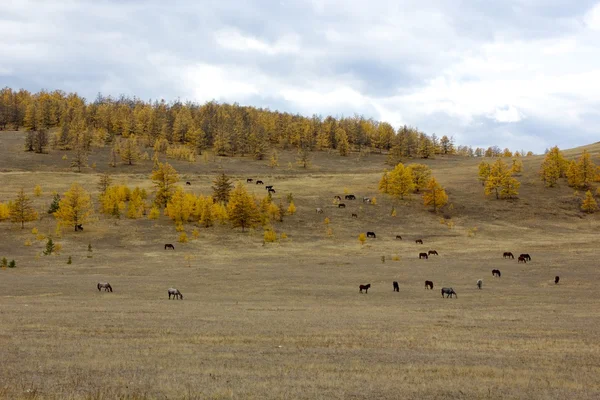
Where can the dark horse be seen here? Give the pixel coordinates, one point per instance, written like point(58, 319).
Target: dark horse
point(169, 246)
point(508, 254)
point(354, 215)
point(271, 190)
point(175, 293)
point(525, 256)
point(423, 255)
point(522, 260)
point(396, 287)
point(371, 235)
point(350, 197)
point(364, 287)
point(79, 227)
point(398, 237)
point(419, 241)
point(259, 182)
point(249, 180)
point(338, 198)
point(433, 252)
point(428, 285)
point(341, 205)
point(269, 187)
point(449, 292)
point(496, 272)
point(556, 279)
point(188, 183)
point(104, 285)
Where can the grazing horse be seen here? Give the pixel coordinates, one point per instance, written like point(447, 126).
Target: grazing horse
point(269, 187)
point(371, 235)
point(175, 293)
point(249, 180)
point(522, 260)
point(350, 197)
point(366, 199)
point(169, 246)
point(449, 292)
point(341, 205)
point(419, 241)
point(271, 190)
point(496, 272)
point(78, 227)
point(556, 279)
point(364, 287)
point(319, 210)
point(398, 237)
point(354, 215)
point(479, 283)
point(525, 256)
point(429, 285)
point(104, 285)
point(188, 183)
point(338, 198)
point(508, 254)
point(432, 252)
point(396, 287)
point(423, 255)
point(259, 182)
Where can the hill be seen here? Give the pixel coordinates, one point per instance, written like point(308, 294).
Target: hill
point(285, 319)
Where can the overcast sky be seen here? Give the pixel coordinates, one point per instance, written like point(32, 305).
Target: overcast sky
point(518, 73)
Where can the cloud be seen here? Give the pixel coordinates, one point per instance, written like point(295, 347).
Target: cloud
point(516, 73)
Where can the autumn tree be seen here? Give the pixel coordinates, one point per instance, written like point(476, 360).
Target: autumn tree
point(384, 183)
point(242, 209)
point(75, 207)
point(553, 167)
point(484, 171)
point(165, 178)
point(589, 204)
point(342, 141)
point(434, 195)
point(80, 158)
point(400, 182)
point(501, 182)
point(129, 150)
point(421, 175)
point(180, 207)
point(274, 161)
point(583, 172)
point(303, 157)
point(21, 209)
point(222, 188)
point(517, 166)
point(104, 182)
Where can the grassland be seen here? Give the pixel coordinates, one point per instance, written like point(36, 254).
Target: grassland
point(285, 320)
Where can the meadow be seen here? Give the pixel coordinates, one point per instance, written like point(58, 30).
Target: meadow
point(285, 320)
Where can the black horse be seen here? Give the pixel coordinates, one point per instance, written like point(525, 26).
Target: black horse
point(341, 205)
point(249, 180)
point(556, 279)
point(371, 235)
point(496, 272)
point(169, 246)
point(432, 252)
point(448, 291)
point(525, 256)
point(350, 197)
point(423, 255)
point(364, 287)
point(188, 183)
point(508, 254)
point(259, 182)
point(396, 286)
point(419, 241)
point(428, 285)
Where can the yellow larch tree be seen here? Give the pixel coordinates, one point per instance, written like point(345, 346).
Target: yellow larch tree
point(75, 207)
point(484, 172)
point(165, 178)
point(421, 175)
point(21, 210)
point(242, 209)
point(400, 182)
point(589, 204)
point(434, 195)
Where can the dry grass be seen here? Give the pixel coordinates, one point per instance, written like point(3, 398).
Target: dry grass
point(285, 320)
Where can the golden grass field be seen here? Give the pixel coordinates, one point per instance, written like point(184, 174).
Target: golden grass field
point(285, 320)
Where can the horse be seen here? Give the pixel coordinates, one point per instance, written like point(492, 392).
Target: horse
point(319, 210)
point(396, 287)
point(350, 197)
point(423, 255)
point(188, 183)
point(104, 285)
point(371, 235)
point(259, 182)
point(169, 246)
point(479, 283)
point(249, 180)
point(449, 292)
point(398, 237)
point(419, 241)
point(354, 215)
point(496, 272)
point(175, 293)
point(366, 199)
point(525, 256)
point(522, 260)
point(429, 285)
point(338, 198)
point(556, 279)
point(269, 187)
point(78, 227)
point(271, 190)
point(432, 252)
point(341, 205)
point(508, 254)
point(364, 287)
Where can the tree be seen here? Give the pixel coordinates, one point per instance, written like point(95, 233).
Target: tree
point(55, 204)
point(303, 157)
point(517, 166)
point(50, 247)
point(553, 167)
point(582, 173)
point(589, 204)
point(75, 207)
point(291, 209)
point(222, 188)
point(573, 176)
point(484, 172)
point(165, 178)
point(342, 141)
point(400, 182)
point(80, 158)
point(501, 182)
point(179, 207)
point(274, 161)
point(421, 174)
point(242, 209)
point(384, 183)
point(362, 238)
point(37, 191)
point(21, 210)
point(104, 182)
point(434, 195)
point(129, 150)
point(509, 187)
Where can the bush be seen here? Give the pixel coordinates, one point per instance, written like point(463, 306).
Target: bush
point(154, 213)
point(362, 238)
point(4, 211)
point(49, 247)
point(69, 261)
point(37, 191)
point(4, 263)
point(181, 152)
point(27, 242)
point(283, 236)
point(270, 236)
point(183, 238)
point(12, 264)
point(195, 233)
point(34, 231)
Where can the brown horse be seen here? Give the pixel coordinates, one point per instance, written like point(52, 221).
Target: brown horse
point(423, 255)
point(188, 183)
point(429, 285)
point(419, 241)
point(249, 180)
point(525, 256)
point(169, 246)
point(556, 279)
point(432, 252)
point(396, 286)
point(522, 260)
point(508, 254)
point(364, 287)
point(354, 215)
point(341, 205)
point(496, 272)
point(104, 285)
point(259, 182)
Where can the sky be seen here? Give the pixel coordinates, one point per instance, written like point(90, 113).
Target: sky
point(523, 74)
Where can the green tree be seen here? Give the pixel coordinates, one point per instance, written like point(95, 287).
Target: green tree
point(21, 210)
point(50, 247)
point(242, 209)
point(222, 188)
point(55, 204)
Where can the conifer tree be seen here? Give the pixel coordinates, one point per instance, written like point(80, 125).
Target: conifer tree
point(242, 209)
point(165, 178)
point(21, 210)
point(384, 183)
point(342, 141)
point(55, 204)
point(274, 161)
point(222, 188)
point(434, 195)
point(104, 182)
point(179, 207)
point(129, 150)
point(400, 182)
point(80, 158)
point(589, 204)
point(484, 172)
point(75, 207)
point(421, 175)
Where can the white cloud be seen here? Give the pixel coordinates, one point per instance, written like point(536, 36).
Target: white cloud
point(234, 40)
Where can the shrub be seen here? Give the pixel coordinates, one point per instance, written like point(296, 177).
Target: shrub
point(64, 157)
point(362, 238)
point(396, 257)
point(291, 209)
point(183, 238)
point(283, 236)
point(195, 233)
point(12, 264)
point(40, 237)
point(27, 242)
point(270, 236)
point(4, 263)
point(69, 261)
point(37, 191)
point(34, 231)
point(374, 200)
point(154, 213)
point(326, 221)
point(50, 246)
point(4, 211)
point(179, 228)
